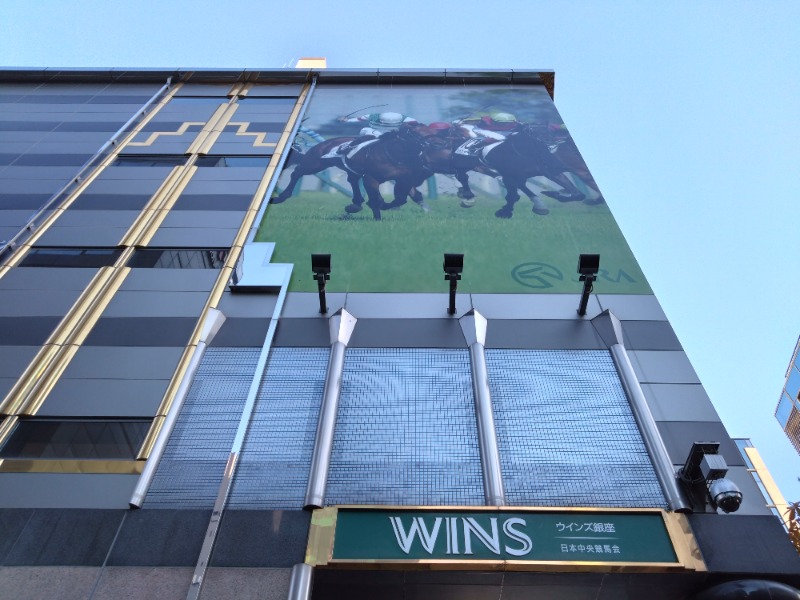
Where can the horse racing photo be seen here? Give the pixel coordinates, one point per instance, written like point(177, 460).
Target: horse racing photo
point(388, 178)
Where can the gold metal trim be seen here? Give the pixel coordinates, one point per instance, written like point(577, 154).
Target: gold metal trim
point(7, 426)
point(127, 467)
point(184, 127)
point(222, 280)
point(170, 198)
point(143, 219)
point(259, 136)
point(50, 219)
point(195, 146)
point(322, 534)
point(219, 126)
point(29, 378)
point(150, 439)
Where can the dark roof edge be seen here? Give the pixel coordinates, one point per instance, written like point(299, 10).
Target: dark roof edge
point(544, 77)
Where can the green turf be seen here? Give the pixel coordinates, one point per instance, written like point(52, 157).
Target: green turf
point(403, 252)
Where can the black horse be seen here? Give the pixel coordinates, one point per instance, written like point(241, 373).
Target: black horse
point(523, 155)
point(394, 156)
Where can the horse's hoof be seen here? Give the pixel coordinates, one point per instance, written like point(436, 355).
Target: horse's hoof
point(595, 201)
point(541, 211)
point(424, 207)
point(468, 202)
point(562, 197)
point(277, 200)
point(503, 214)
point(352, 208)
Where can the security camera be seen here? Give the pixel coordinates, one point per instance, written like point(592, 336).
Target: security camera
point(725, 495)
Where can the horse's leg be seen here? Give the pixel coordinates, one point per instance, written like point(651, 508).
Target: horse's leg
point(417, 197)
point(375, 200)
point(572, 193)
point(299, 171)
point(358, 198)
point(402, 190)
point(465, 192)
point(538, 206)
point(512, 195)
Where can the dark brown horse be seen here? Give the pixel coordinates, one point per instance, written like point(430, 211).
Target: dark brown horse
point(439, 155)
point(394, 156)
point(523, 155)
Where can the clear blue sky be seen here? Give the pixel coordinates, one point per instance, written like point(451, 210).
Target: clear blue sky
point(686, 113)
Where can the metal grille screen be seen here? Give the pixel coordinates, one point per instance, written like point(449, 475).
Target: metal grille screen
point(276, 456)
point(566, 433)
point(406, 431)
point(191, 469)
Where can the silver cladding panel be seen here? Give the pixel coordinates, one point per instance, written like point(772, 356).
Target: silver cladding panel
point(276, 456)
point(190, 471)
point(566, 433)
point(406, 432)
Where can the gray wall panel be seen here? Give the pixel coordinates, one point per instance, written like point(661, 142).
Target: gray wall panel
point(104, 218)
point(753, 502)
point(650, 335)
point(104, 398)
point(221, 187)
point(242, 332)
point(141, 331)
point(261, 538)
point(399, 306)
point(177, 280)
point(60, 174)
point(533, 306)
point(156, 304)
point(204, 218)
point(34, 303)
point(633, 307)
point(229, 174)
point(26, 331)
point(679, 402)
point(174, 237)
point(302, 333)
point(46, 278)
point(662, 367)
point(680, 435)
point(247, 305)
point(66, 490)
point(123, 363)
point(84, 237)
point(408, 333)
point(543, 335)
point(164, 583)
point(139, 173)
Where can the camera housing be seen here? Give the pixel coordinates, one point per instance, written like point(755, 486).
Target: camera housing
point(725, 495)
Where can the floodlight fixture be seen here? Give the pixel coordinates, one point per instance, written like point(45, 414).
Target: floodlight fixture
point(321, 267)
point(453, 267)
point(588, 267)
point(703, 475)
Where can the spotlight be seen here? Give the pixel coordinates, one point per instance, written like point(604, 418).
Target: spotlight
point(321, 267)
point(453, 266)
point(588, 266)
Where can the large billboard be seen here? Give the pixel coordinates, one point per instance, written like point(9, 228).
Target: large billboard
point(387, 179)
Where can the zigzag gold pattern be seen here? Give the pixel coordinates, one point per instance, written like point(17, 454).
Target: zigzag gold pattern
point(157, 134)
point(259, 136)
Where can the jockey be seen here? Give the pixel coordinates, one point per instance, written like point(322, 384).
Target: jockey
point(494, 125)
point(379, 123)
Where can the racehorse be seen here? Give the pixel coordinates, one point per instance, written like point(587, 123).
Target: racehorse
point(439, 155)
point(519, 157)
point(396, 156)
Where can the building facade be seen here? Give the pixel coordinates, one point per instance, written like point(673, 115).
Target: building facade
point(787, 411)
point(233, 365)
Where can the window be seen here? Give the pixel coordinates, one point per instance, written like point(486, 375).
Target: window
point(117, 439)
point(164, 258)
point(148, 160)
point(233, 161)
point(71, 257)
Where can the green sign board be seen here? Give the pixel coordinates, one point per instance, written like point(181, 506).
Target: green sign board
point(387, 179)
point(377, 535)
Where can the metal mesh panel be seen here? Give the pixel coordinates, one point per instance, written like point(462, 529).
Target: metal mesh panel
point(276, 456)
point(566, 433)
point(191, 469)
point(406, 431)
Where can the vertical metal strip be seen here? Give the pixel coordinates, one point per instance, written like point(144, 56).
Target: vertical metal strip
point(341, 329)
point(300, 582)
point(474, 325)
point(610, 330)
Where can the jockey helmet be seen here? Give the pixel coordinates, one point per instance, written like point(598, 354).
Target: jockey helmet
point(503, 117)
point(392, 119)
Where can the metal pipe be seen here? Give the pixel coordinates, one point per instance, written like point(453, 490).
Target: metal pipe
point(300, 582)
point(665, 471)
point(341, 329)
point(213, 321)
point(31, 223)
point(474, 326)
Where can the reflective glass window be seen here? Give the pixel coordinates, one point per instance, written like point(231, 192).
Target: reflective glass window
point(793, 382)
point(71, 257)
point(141, 160)
point(784, 410)
point(566, 433)
point(76, 439)
point(165, 258)
point(233, 161)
